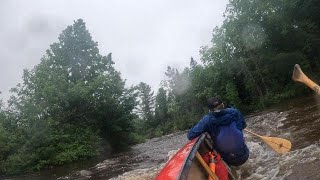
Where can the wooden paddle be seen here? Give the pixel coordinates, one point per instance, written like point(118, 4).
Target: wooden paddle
point(279, 145)
point(299, 76)
point(206, 167)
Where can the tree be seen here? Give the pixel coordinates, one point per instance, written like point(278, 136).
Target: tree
point(161, 109)
point(69, 104)
point(147, 100)
point(253, 52)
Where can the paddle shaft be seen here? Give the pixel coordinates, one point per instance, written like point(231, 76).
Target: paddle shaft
point(312, 85)
point(252, 133)
point(206, 167)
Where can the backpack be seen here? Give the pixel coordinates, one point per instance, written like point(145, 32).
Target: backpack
point(229, 139)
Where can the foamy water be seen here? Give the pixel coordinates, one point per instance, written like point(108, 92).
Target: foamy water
point(264, 164)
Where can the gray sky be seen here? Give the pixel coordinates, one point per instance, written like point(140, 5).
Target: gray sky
point(144, 36)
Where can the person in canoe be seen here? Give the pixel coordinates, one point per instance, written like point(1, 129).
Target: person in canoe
point(225, 125)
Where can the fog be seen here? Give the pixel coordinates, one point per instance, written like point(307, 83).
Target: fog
point(143, 36)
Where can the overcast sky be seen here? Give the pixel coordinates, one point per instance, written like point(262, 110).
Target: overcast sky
point(144, 36)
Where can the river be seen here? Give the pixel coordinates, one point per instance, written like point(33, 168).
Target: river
point(297, 120)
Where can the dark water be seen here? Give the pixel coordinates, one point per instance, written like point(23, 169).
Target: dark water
point(297, 120)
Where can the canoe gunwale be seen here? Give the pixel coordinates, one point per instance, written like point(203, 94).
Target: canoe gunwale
point(188, 161)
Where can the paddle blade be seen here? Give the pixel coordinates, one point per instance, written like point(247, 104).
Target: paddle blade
point(279, 145)
point(298, 75)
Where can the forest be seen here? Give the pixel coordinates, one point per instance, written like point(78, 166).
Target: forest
point(75, 105)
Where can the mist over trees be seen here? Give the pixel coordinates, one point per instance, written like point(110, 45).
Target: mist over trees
point(75, 105)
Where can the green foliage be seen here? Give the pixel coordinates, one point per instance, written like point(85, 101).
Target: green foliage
point(72, 143)
point(47, 148)
point(232, 94)
point(161, 110)
point(146, 104)
point(66, 107)
point(255, 49)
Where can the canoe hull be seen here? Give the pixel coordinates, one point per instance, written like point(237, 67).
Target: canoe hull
point(184, 165)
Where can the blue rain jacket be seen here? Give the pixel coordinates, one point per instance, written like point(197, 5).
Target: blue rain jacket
point(225, 127)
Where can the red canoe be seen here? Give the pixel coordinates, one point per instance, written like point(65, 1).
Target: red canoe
point(184, 164)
